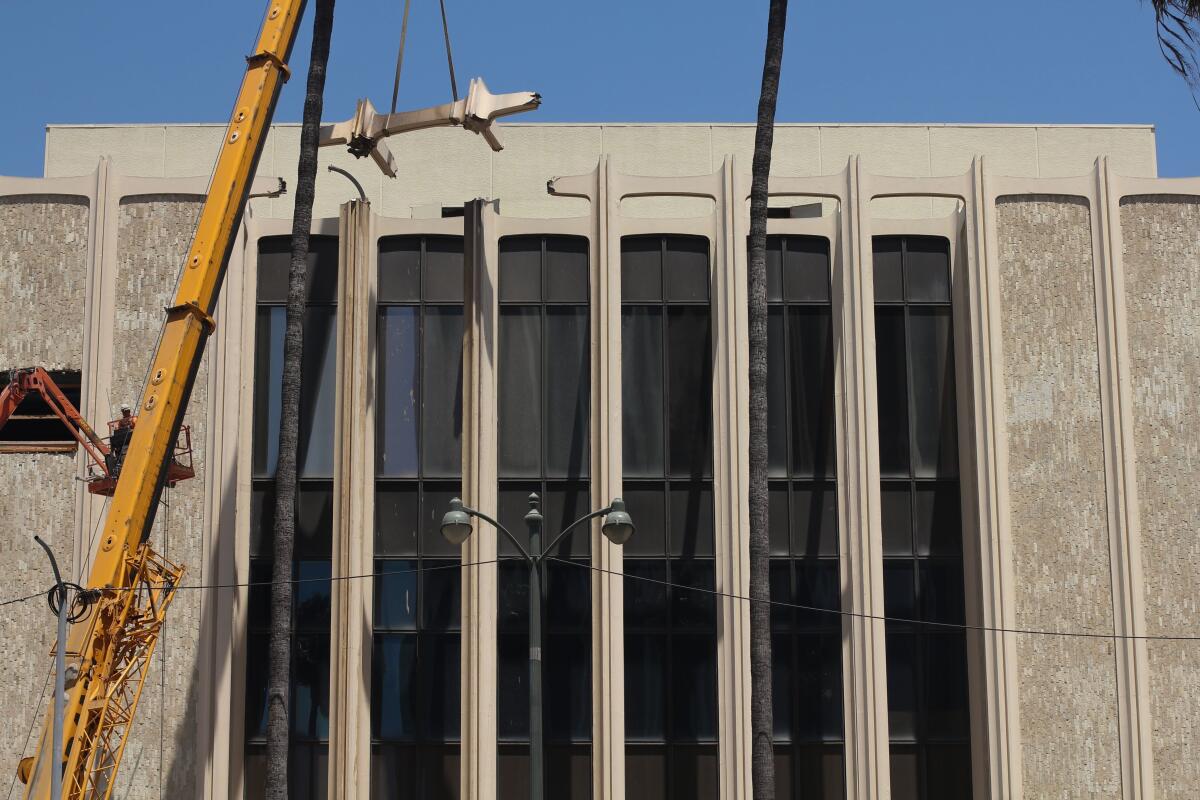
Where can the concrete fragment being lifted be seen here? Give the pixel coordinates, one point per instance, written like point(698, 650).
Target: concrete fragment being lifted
point(365, 131)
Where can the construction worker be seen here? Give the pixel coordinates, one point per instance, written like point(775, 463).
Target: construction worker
point(119, 442)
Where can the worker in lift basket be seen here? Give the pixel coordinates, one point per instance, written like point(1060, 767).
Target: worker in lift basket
point(119, 443)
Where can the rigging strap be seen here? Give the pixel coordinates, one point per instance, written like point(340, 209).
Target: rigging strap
point(400, 54)
point(449, 57)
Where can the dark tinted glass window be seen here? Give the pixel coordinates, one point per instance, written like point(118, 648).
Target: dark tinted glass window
point(311, 596)
point(400, 269)
point(544, 386)
point(921, 515)
point(274, 267)
point(806, 646)
point(670, 633)
point(418, 428)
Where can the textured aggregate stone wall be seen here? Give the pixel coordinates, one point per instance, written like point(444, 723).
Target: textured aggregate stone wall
point(37, 496)
point(1162, 294)
point(154, 232)
point(1058, 505)
point(43, 270)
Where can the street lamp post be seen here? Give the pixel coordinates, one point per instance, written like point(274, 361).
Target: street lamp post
point(456, 527)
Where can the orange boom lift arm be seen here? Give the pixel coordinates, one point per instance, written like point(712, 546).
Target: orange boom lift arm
point(109, 652)
point(24, 381)
point(104, 464)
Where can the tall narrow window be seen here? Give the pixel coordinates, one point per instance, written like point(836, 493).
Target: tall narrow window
point(670, 635)
point(309, 701)
point(806, 646)
point(544, 381)
point(418, 457)
point(922, 519)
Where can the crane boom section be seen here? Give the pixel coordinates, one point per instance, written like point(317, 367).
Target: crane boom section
point(110, 649)
point(189, 319)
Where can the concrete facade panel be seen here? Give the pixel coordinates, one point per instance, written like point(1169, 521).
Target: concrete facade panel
point(555, 151)
point(439, 167)
point(43, 275)
point(138, 150)
point(447, 166)
point(332, 189)
point(738, 140)
point(1059, 527)
point(191, 150)
point(1009, 151)
point(883, 150)
point(153, 235)
point(1161, 238)
point(661, 150)
point(797, 149)
point(1064, 152)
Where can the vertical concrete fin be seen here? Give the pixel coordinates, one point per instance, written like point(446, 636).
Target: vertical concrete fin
point(860, 540)
point(96, 371)
point(243, 470)
point(997, 754)
point(608, 636)
point(218, 607)
point(731, 478)
point(1124, 523)
point(479, 490)
point(354, 498)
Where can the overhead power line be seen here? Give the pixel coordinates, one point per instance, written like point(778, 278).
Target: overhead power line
point(682, 587)
point(881, 617)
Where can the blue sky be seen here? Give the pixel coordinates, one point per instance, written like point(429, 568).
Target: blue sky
point(612, 60)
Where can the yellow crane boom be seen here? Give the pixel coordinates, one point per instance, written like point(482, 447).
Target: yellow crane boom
point(110, 650)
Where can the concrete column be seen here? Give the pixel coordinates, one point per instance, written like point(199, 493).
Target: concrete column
point(608, 598)
point(354, 515)
point(1120, 468)
point(479, 490)
point(987, 548)
point(731, 480)
point(217, 677)
point(860, 541)
point(95, 401)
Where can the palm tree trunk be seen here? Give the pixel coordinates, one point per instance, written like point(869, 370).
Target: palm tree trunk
point(763, 756)
point(278, 679)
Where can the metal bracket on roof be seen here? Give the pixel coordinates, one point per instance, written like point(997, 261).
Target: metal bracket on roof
point(363, 134)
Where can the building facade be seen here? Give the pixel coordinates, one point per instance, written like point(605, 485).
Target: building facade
point(983, 341)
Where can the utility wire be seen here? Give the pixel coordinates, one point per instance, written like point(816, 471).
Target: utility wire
point(293, 581)
point(880, 617)
point(24, 599)
point(714, 592)
point(383, 574)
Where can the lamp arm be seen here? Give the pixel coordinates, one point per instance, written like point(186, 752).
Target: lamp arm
point(501, 528)
point(573, 525)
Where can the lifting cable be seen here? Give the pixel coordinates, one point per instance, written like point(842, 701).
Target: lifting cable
point(400, 52)
point(449, 57)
